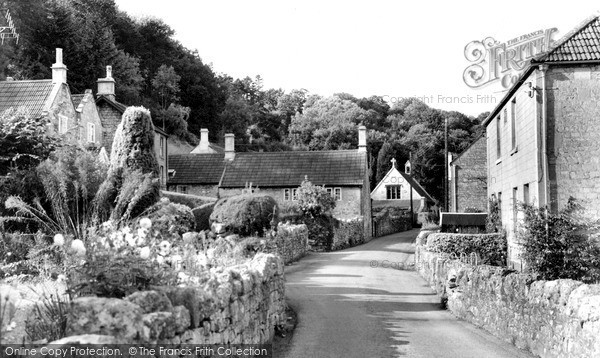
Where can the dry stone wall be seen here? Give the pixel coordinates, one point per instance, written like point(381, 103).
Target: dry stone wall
point(292, 242)
point(558, 318)
point(237, 305)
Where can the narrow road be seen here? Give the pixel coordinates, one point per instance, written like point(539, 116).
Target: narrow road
point(346, 307)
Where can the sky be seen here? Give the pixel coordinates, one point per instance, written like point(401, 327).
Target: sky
point(393, 49)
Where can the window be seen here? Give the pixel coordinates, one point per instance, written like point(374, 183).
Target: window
point(286, 194)
point(63, 123)
point(91, 133)
point(182, 189)
point(162, 146)
point(498, 141)
point(526, 194)
point(393, 191)
point(294, 194)
point(329, 191)
point(162, 174)
point(337, 194)
point(505, 113)
point(513, 123)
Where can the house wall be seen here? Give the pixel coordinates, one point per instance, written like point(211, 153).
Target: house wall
point(110, 121)
point(393, 178)
point(509, 173)
point(574, 136)
point(63, 106)
point(161, 156)
point(89, 114)
point(200, 190)
point(468, 179)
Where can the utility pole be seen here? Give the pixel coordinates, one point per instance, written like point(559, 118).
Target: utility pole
point(446, 164)
point(412, 212)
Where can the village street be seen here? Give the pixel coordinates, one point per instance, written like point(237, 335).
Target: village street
point(347, 307)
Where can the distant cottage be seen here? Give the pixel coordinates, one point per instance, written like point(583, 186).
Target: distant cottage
point(467, 179)
point(344, 173)
point(395, 189)
point(542, 138)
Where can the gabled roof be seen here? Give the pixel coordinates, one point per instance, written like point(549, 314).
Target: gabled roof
point(289, 169)
point(581, 44)
point(202, 169)
point(212, 149)
point(118, 106)
point(480, 137)
point(409, 179)
point(77, 98)
point(32, 95)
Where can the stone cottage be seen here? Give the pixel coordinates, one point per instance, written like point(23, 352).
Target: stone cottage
point(90, 125)
point(344, 173)
point(52, 99)
point(467, 179)
point(111, 112)
point(542, 137)
point(394, 190)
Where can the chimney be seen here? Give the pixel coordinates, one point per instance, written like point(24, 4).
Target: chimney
point(203, 146)
point(229, 146)
point(59, 70)
point(106, 86)
point(362, 139)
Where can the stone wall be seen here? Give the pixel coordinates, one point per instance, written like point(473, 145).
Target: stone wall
point(390, 224)
point(468, 178)
point(292, 242)
point(558, 318)
point(237, 305)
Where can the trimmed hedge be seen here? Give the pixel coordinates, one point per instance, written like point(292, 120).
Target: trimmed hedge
point(193, 201)
point(246, 215)
point(491, 248)
point(348, 234)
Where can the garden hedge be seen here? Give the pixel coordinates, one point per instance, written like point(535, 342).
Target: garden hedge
point(491, 248)
point(246, 215)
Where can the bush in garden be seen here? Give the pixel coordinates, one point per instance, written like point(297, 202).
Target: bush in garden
point(202, 216)
point(132, 184)
point(290, 211)
point(314, 200)
point(170, 218)
point(49, 318)
point(348, 234)
point(494, 218)
point(192, 201)
point(561, 245)
point(491, 249)
point(246, 215)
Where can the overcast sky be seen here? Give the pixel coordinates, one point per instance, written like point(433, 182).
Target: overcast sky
point(387, 48)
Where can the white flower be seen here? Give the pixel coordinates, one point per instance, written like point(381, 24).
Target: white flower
point(78, 246)
point(146, 223)
point(59, 240)
point(130, 239)
point(141, 232)
point(11, 326)
point(188, 237)
point(176, 261)
point(107, 225)
point(164, 248)
point(182, 277)
point(160, 259)
point(61, 278)
point(126, 230)
point(145, 252)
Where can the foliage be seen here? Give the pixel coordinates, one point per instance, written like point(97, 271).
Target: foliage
point(320, 231)
point(132, 184)
point(313, 200)
point(170, 219)
point(490, 249)
point(24, 141)
point(246, 215)
point(202, 216)
point(348, 234)
point(290, 211)
point(49, 319)
point(561, 245)
point(494, 218)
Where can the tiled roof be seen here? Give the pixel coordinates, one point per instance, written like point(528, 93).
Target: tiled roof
point(29, 94)
point(203, 169)
point(418, 188)
point(118, 106)
point(288, 169)
point(581, 44)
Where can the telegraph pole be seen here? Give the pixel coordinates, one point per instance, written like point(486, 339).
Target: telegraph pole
point(412, 212)
point(446, 164)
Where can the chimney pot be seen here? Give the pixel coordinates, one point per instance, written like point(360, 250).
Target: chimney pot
point(204, 139)
point(362, 139)
point(106, 86)
point(59, 56)
point(229, 146)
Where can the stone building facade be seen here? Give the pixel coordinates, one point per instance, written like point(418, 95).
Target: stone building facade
point(344, 173)
point(467, 179)
point(542, 138)
point(90, 124)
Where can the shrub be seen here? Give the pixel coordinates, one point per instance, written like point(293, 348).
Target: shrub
point(170, 218)
point(494, 218)
point(132, 184)
point(202, 216)
point(290, 211)
point(313, 200)
point(348, 234)
point(561, 245)
point(49, 318)
point(320, 231)
point(246, 214)
point(490, 248)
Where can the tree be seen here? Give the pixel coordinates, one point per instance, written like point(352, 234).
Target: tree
point(166, 85)
point(384, 157)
